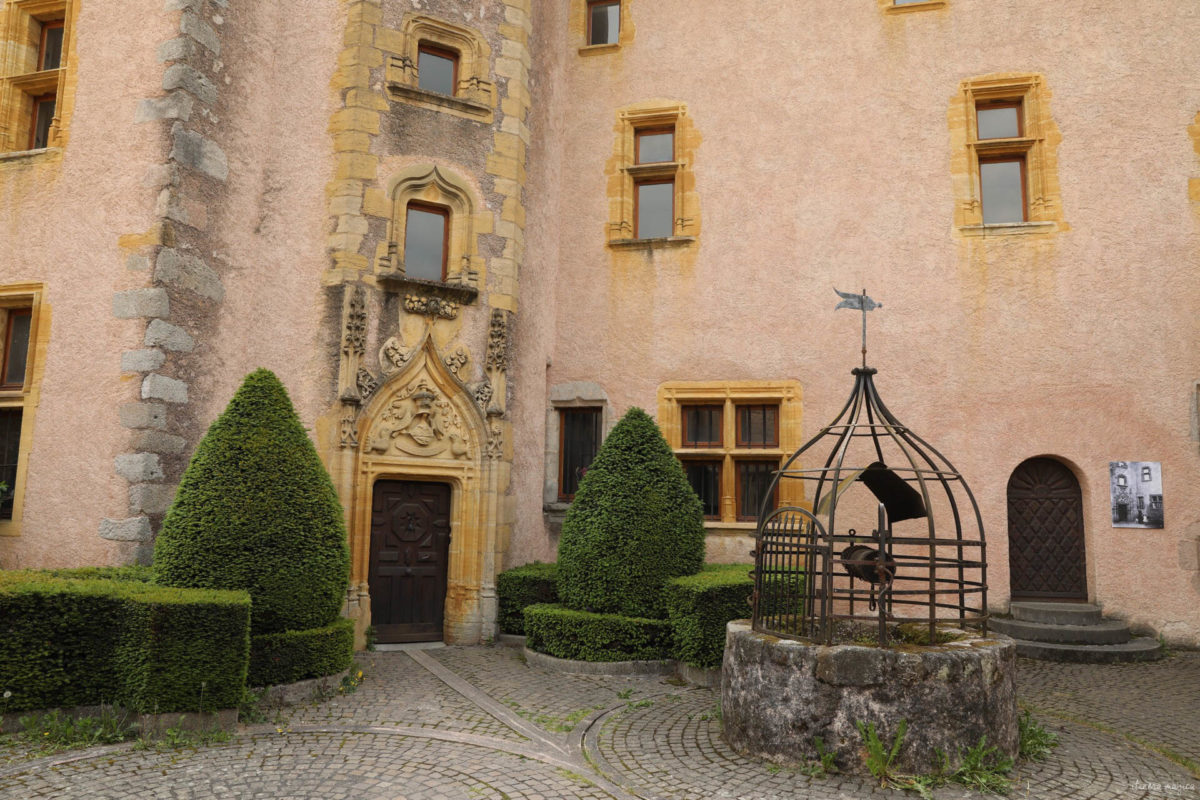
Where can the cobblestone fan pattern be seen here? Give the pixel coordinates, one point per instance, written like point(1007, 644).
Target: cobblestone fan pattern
point(324, 766)
point(423, 702)
point(1157, 702)
point(674, 749)
point(552, 700)
point(407, 734)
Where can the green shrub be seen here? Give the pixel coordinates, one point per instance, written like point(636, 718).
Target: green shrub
point(634, 523)
point(700, 605)
point(85, 641)
point(523, 586)
point(295, 655)
point(132, 573)
point(585, 636)
point(256, 510)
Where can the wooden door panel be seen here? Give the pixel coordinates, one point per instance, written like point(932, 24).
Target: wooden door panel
point(410, 542)
point(1046, 557)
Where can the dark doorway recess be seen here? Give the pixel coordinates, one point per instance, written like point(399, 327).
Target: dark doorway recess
point(410, 545)
point(1046, 559)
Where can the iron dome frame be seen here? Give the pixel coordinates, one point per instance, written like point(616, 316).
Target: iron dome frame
point(810, 575)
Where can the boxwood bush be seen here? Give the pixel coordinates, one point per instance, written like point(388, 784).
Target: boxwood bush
point(635, 522)
point(584, 636)
point(68, 641)
point(256, 510)
point(524, 586)
point(295, 655)
point(698, 607)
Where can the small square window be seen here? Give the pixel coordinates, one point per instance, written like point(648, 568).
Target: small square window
point(1120, 480)
point(702, 426)
point(758, 426)
point(437, 70)
point(655, 209)
point(704, 475)
point(579, 431)
point(425, 233)
point(656, 146)
point(999, 121)
point(50, 50)
point(16, 349)
point(1002, 189)
point(604, 22)
point(753, 480)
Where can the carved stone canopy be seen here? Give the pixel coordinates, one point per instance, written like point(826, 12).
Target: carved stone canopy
point(424, 410)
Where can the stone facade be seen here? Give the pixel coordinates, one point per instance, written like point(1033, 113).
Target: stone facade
point(226, 185)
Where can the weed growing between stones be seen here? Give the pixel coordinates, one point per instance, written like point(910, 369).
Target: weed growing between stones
point(176, 738)
point(1036, 741)
point(53, 731)
point(879, 757)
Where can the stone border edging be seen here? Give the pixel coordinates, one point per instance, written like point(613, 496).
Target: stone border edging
point(664, 667)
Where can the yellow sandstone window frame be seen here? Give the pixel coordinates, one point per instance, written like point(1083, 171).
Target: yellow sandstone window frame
point(579, 28)
point(1037, 147)
point(787, 396)
point(22, 83)
point(474, 95)
point(626, 174)
point(25, 397)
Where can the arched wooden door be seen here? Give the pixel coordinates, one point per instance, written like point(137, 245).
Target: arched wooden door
point(1046, 559)
point(410, 542)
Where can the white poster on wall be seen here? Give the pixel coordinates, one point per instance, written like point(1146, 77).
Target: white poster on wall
point(1137, 495)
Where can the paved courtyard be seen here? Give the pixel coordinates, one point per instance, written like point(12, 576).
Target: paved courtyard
point(479, 722)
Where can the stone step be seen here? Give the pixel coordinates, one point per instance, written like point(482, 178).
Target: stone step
point(1055, 613)
point(1106, 631)
point(1141, 648)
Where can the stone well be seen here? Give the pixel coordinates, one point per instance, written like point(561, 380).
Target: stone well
point(778, 695)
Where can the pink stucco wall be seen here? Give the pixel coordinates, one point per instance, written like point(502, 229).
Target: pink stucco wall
point(60, 227)
point(825, 162)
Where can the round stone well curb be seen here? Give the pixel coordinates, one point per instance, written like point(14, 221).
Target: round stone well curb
point(779, 695)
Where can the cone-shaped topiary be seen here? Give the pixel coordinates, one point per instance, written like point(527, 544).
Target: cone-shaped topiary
point(634, 523)
point(256, 510)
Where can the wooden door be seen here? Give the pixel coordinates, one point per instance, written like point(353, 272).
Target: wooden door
point(410, 544)
point(1046, 559)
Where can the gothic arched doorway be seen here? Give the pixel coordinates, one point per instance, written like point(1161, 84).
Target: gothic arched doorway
point(1046, 559)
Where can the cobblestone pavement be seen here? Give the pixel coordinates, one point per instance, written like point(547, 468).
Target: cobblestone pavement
point(481, 723)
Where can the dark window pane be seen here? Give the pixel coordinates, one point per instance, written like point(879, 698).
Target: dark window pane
point(705, 478)
point(435, 72)
point(1003, 194)
point(655, 147)
point(604, 25)
point(16, 348)
point(10, 446)
point(580, 429)
point(51, 55)
point(702, 426)
point(424, 244)
point(754, 478)
point(999, 122)
point(43, 115)
point(757, 426)
point(656, 210)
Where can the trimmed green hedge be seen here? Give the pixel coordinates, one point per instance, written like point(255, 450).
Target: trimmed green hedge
point(68, 641)
point(295, 655)
point(584, 636)
point(256, 510)
point(700, 605)
point(634, 523)
point(524, 586)
point(134, 573)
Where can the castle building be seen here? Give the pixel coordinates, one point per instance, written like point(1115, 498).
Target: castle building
point(468, 236)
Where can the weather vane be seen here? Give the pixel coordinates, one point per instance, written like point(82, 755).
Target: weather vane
point(861, 303)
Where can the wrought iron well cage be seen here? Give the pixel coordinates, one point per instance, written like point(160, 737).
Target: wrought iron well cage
point(816, 578)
